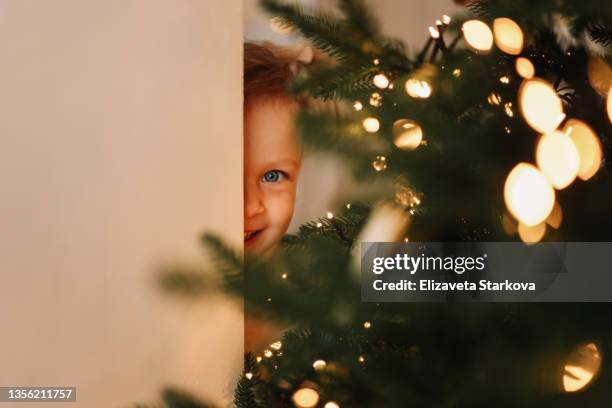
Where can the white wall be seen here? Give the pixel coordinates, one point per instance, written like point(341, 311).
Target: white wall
point(120, 142)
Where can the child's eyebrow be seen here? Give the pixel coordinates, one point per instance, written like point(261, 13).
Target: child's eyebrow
point(283, 163)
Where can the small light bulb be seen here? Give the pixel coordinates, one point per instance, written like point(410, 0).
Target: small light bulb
point(478, 35)
point(371, 125)
point(358, 106)
point(508, 36)
point(319, 364)
point(381, 81)
point(524, 68)
point(305, 398)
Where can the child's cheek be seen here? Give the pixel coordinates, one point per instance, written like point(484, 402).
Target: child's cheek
point(280, 208)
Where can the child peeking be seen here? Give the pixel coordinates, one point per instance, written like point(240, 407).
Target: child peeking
point(272, 159)
point(272, 150)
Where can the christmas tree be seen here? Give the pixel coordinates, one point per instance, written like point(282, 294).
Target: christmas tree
point(511, 91)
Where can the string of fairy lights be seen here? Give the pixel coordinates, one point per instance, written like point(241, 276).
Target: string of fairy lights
point(562, 154)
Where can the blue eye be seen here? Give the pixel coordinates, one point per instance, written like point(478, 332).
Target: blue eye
point(273, 176)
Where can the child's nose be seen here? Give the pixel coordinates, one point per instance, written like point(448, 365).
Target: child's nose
point(253, 201)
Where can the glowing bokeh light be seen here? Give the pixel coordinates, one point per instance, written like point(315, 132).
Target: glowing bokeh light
point(319, 364)
point(540, 105)
point(555, 217)
point(305, 398)
point(588, 145)
point(508, 36)
point(371, 125)
point(533, 234)
point(407, 134)
point(417, 88)
point(477, 35)
point(558, 159)
point(528, 194)
point(581, 367)
point(524, 68)
point(381, 81)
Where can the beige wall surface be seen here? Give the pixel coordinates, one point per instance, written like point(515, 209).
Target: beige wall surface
point(120, 142)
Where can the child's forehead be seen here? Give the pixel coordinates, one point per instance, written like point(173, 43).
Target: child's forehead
point(268, 102)
point(270, 132)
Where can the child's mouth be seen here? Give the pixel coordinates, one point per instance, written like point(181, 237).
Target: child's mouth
point(249, 236)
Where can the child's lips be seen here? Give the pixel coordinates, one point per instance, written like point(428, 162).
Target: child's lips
point(250, 236)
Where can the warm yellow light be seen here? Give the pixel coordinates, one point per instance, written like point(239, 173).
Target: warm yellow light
point(417, 88)
point(381, 81)
point(371, 125)
point(508, 36)
point(588, 145)
point(456, 72)
point(555, 217)
point(305, 398)
point(367, 325)
point(376, 99)
point(509, 224)
point(557, 157)
point(600, 75)
point(249, 376)
point(504, 79)
point(581, 367)
point(478, 35)
point(331, 404)
point(446, 19)
point(434, 32)
point(494, 99)
point(531, 235)
point(540, 105)
point(407, 134)
point(277, 345)
point(508, 109)
point(529, 196)
point(524, 68)
point(319, 364)
point(380, 163)
point(279, 26)
point(358, 106)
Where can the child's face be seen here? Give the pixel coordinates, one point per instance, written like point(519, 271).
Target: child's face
point(272, 157)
